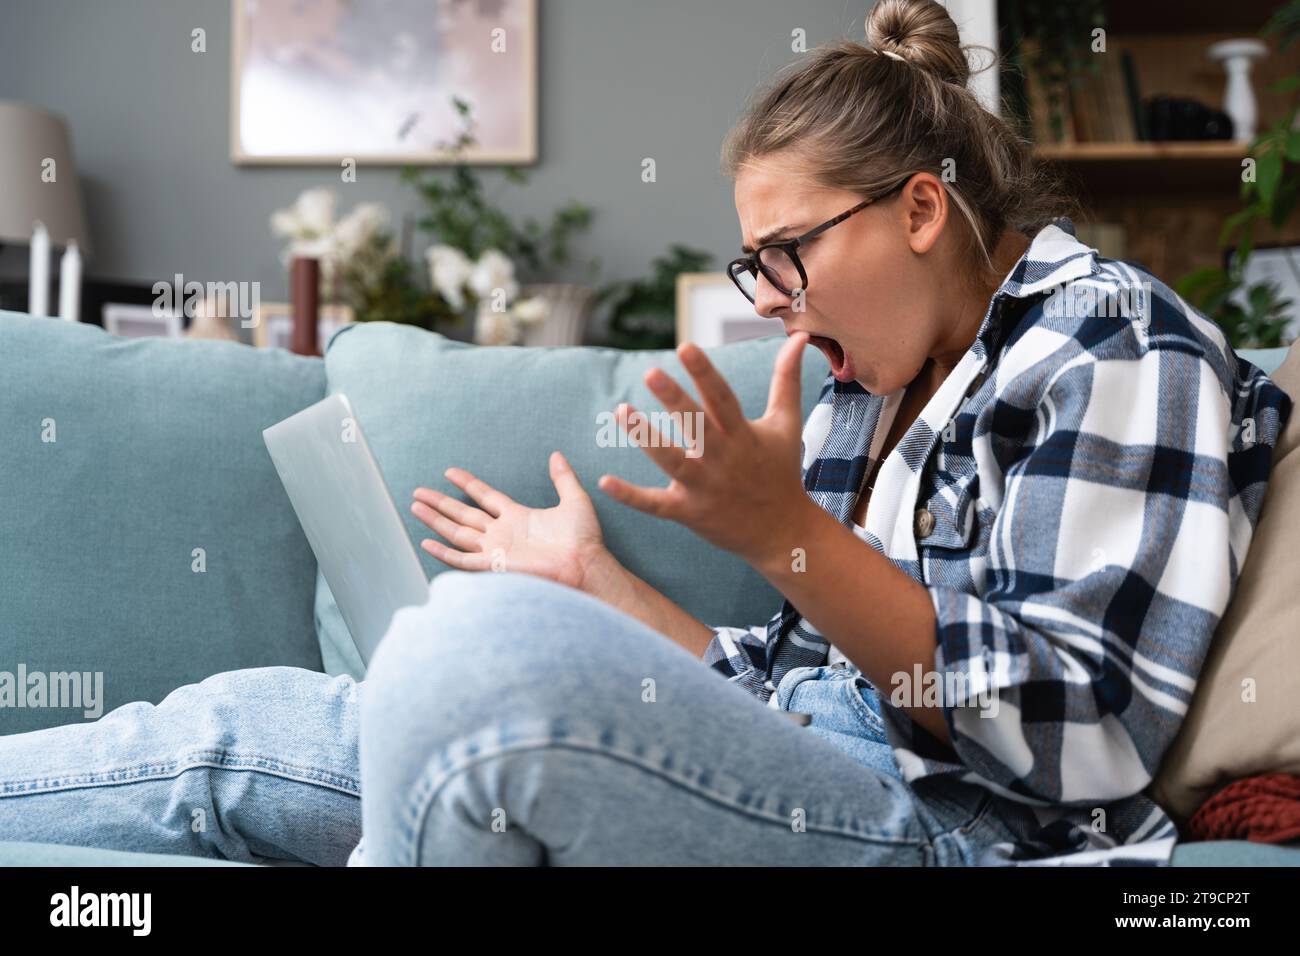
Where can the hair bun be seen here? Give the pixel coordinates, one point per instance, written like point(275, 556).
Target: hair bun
point(921, 32)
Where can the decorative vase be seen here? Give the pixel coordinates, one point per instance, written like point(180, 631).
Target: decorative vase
point(569, 307)
point(1237, 57)
point(304, 293)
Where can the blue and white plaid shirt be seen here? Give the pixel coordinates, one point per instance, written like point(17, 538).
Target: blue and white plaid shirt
point(1094, 467)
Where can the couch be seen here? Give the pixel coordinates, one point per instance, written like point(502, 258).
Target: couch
point(147, 538)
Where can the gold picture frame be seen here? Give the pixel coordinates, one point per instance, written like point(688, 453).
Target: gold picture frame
point(323, 62)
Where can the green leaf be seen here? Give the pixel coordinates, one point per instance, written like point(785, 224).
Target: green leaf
point(1233, 223)
point(1245, 246)
point(1286, 84)
point(1199, 283)
point(1268, 173)
point(1260, 298)
point(1285, 203)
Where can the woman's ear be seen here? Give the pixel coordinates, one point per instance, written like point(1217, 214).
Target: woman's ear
point(925, 203)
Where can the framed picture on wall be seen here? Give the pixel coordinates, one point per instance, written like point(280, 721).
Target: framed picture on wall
point(324, 81)
point(712, 311)
point(273, 324)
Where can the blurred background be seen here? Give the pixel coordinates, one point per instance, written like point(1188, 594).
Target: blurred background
point(426, 153)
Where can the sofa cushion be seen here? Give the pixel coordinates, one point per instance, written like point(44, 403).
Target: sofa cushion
point(1244, 719)
point(1266, 360)
point(1234, 853)
point(121, 458)
point(53, 854)
point(427, 402)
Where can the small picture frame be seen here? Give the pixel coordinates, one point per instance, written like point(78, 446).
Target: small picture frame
point(712, 311)
point(142, 321)
point(273, 324)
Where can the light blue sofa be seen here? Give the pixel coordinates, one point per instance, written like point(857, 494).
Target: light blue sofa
point(147, 537)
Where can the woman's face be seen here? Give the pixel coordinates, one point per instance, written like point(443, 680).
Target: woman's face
point(875, 280)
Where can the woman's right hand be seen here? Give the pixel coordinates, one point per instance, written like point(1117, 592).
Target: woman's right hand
point(562, 543)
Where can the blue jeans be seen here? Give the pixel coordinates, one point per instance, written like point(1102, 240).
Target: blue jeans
point(509, 720)
point(845, 710)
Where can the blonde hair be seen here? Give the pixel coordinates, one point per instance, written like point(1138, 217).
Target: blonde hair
point(864, 116)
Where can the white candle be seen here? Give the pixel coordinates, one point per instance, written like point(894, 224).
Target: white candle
point(38, 274)
point(70, 284)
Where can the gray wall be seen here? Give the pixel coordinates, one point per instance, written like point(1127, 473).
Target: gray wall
point(619, 80)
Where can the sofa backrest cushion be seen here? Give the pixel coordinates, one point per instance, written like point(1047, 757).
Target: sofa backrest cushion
point(427, 402)
point(1244, 718)
point(144, 534)
point(1267, 361)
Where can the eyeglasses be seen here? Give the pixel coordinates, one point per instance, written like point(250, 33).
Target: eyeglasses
point(779, 261)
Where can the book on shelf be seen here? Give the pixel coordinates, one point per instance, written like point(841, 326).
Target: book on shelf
point(1038, 100)
point(1133, 95)
point(1103, 105)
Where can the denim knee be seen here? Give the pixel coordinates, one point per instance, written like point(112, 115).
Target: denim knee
point(482, 647)
point(473, 622)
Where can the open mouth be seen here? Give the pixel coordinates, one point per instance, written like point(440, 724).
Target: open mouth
point(834, 353)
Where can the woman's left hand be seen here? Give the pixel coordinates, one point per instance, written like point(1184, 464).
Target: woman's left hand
point(740, 486)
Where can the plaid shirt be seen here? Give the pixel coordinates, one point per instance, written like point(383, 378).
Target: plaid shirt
point(1092, 469)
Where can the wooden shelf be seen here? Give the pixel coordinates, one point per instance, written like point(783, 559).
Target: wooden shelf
point(1180, 171)
point(1242, 17)
point(1170, 199)
point(1140, 152)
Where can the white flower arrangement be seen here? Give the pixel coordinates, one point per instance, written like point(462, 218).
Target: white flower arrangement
point(312, 231)
point(348, 250)
point(490, 285)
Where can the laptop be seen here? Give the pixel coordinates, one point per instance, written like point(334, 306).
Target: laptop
point(350, 520)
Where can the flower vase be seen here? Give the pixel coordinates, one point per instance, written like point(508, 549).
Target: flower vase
point(1237, 56)
point(569, 308)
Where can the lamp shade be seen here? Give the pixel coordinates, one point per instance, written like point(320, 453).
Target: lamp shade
point(29, 140)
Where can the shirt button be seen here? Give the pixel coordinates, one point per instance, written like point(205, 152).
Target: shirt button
point(924, 522)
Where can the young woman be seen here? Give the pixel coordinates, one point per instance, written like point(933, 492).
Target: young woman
point(1005, 536)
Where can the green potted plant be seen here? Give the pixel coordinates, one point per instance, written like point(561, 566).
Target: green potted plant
point(1255, 315)
point(484, 262)
point(643, 311)
point(360, 265)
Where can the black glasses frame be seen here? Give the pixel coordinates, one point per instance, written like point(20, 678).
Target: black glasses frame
point(753, 264)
